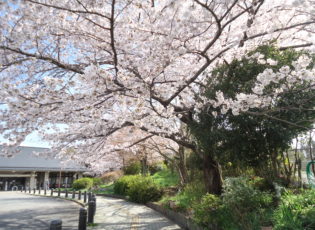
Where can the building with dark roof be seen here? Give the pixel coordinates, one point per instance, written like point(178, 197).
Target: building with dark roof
point(27, 170)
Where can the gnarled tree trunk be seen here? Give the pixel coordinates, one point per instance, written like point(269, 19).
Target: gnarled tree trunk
point(212, 175)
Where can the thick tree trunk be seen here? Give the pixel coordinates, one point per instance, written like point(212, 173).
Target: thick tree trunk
point(182, 166)
point(212, 175)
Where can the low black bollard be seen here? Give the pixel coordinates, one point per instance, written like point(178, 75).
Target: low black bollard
point(34, 191)
point(93, 198)
point(89, 196)
point(91, 208)
point(66, 193)
point(39, 191)
point(73, 194)
point(55, 225)
point(25, 189)
point(45, 191)
point(84, 197)
point(21, 189)
point(29, 190)
point(82, 219)
point(51, 192)
point(58, 192)
point(79, 196)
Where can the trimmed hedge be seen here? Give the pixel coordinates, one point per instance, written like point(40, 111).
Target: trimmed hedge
point(138, 188)
point(83, 183)
point(144, 190)
point(122, 184)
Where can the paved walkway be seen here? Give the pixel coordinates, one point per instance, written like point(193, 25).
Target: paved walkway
point(117, 214)
point(23, 211)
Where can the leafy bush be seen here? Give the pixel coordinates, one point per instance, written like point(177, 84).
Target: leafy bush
point(241, 207)
point(140, 189)
point(144, 190)
point(132, 168)
point(240, 195)
point(184, 200)
point(96, 182)
point(296, 212)
point(210, 213)
point(260, 183)
point(122, 184)
point(154, 168)
point(83, 183)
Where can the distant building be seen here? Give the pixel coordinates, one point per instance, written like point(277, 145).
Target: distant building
point(26, 170)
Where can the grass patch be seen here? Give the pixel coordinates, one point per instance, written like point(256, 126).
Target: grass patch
point(106, 189)
point(166, 178)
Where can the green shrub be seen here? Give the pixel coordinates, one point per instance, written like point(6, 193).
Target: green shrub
point(210, 213)
point(184, 200)
point(83, 183)
point(240, 195)
point(122, 184)
point(241, 207)
point(260, 183)
point(296, 212)
point(97, 182)
point(154, 168)
point(144, 190)
point(132, 168)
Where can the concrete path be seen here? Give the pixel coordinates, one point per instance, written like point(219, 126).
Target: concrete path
point(23, 211)
point(117, 214)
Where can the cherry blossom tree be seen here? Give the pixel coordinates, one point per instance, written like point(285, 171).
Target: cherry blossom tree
point(86, 69)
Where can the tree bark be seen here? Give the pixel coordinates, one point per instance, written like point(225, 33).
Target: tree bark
point(182, 166)
point(212, 175)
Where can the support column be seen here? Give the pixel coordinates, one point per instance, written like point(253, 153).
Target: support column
point(32, 181)
point(46, 180)
point(27, 182)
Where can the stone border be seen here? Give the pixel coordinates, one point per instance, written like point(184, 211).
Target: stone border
point(178, 218)
point(112, 196)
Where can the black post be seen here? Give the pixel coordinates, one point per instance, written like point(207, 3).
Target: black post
point(45, 191)
point(84, 197)
point(55, 225)
point(39, 190)
point(93, 198)
point(58, 192)
point(79, 196)
point(25, 189)
point(22, 189)
point(73, 194)
point(34, 191)
point(82, 219)
point(66, 193)
point(91, 212)
point(29, 190)
point(89, 196)
point(51, 192)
